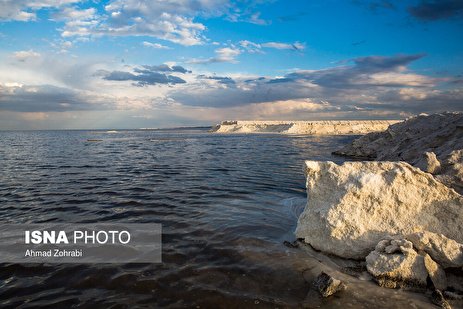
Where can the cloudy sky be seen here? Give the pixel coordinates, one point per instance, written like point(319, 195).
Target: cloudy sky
point(166, 63)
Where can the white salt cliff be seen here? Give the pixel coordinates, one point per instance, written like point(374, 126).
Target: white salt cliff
point(327, 127)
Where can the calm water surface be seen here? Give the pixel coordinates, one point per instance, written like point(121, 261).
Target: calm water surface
point(226, 204)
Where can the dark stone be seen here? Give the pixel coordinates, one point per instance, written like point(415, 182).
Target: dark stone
point(453, 295)
point(327, 285)
point(293, 244)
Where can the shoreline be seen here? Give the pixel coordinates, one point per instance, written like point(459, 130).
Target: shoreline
point(401, 212)
point(317, 127)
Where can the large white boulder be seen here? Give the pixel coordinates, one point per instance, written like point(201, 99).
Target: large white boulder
point(352, 206)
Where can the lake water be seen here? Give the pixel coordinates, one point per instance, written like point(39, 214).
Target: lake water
point(226, 204)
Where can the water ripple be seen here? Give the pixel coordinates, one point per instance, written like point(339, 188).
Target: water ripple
point(226, 204)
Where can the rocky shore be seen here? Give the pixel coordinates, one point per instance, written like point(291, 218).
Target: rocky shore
point(432, 143)
point(327, 127)
point(401, 215)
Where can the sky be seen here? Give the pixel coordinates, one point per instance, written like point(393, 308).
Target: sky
point(70, 64)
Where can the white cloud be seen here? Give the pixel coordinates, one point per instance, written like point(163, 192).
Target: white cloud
point(172, 20)
point(225, 54)
point(167, 20)
point(253, 47)
point(399, 78)
point(284, 109)
point(247, 14)
point(279, 45)
point(72, 13)
point(24, 55)
point(23, 10)
point(408, 94)
point(155, 45)
point(255, 19)
point(78, 22)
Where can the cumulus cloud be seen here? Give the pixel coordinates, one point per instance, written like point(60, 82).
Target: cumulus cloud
point(147, 75)
point(429, 10)
point(80, 23)
point(73, 13)
point(23, 10)
point(24, 55)
point(155, 45)
point(168, 20)
point(225, 54)
point(173, 20)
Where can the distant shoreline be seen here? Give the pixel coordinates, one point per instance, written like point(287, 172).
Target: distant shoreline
point(315, 127)
point(114, 129)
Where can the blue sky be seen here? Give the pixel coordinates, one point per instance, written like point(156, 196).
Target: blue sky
point(132, 64)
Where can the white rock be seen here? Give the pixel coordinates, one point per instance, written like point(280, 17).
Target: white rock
point(407, 141)
point(327, 127)
point(429, 163)
point(401, 268)
point(452, 170)
point(436, 273)
point(352, 206)
point(445, 251)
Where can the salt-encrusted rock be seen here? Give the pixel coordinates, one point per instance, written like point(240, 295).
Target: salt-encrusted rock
point(321, 127)
point(327, 285)
point(435, 273)
point(407, 141)
point(452, 170)
point(352, 206)
point(446, 252)
point(429, 163)
point(394, 264)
